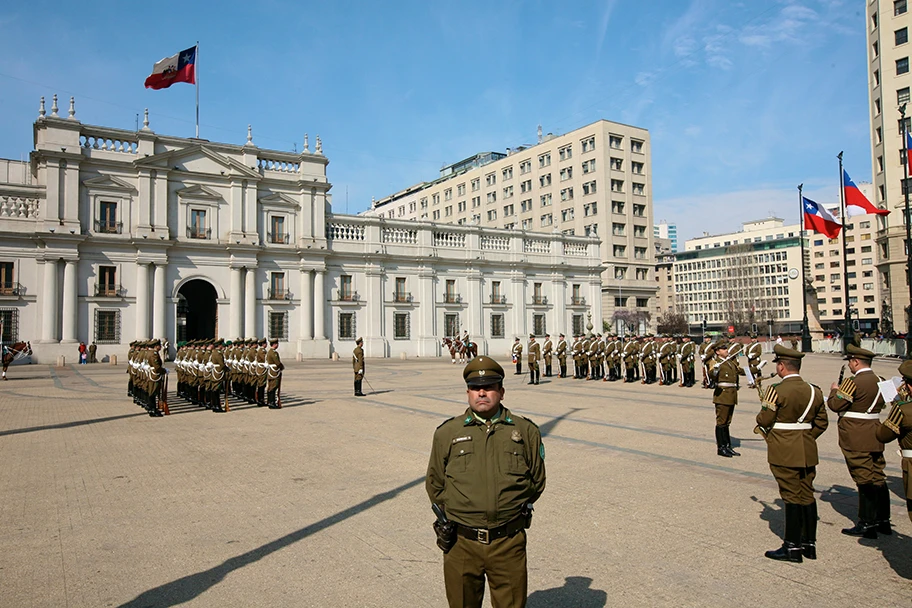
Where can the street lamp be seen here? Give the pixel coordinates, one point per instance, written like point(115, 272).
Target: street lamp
point(905, 158)
point(620, 299)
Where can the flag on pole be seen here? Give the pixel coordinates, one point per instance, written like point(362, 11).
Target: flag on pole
point(857, 203)
point(177, 68)
point(820, 220)
point(909, 151)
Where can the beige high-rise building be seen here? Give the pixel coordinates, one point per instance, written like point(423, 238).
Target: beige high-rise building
point(889, 81)
point(593, 181)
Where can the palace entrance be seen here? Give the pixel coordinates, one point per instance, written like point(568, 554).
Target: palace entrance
point(197, 312)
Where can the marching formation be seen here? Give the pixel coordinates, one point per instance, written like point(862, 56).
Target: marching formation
point(148, 379)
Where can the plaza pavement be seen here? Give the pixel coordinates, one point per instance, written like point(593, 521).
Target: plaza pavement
point(323, 504)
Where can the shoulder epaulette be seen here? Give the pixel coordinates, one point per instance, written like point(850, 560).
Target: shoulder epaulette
point(770, 397)
point(846, 390)
point(445, 421)
point(529, 420)
point(894, 420)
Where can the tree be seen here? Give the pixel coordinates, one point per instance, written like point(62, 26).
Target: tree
point(747, 301)
point(671, 322)
point(631, 319)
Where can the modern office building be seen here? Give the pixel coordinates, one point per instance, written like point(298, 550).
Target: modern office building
point(110, 236)
point(595, 180)
point(887, 24)
point(664, 230)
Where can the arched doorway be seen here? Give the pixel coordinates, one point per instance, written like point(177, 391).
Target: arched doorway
point(197, 312)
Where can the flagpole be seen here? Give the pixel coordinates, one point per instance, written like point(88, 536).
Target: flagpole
point(805, 330)
point(847, 334)
point(197, 78)
point(902, 113)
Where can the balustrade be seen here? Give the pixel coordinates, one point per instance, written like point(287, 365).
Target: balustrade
point(109, 290)
point(111, 144)
point(579, 250)
point(282, 166)
point(536, 246)
point(337, 231)
point(278, 294)
point(108, 227)
point(449, 239)
point(278, 238)
point(199, 233)
point(400, 236)
point(17, 207)
point(495, 243)
point(11, 288)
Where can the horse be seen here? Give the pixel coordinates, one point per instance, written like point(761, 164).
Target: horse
point(15, 352)
point(461, 350)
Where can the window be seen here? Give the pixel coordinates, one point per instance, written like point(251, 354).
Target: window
point(278, 325)
point(544, 160)
point(590, 209)
point(461, 206)
point(620, 302)
point(589, 187)
point(490, 179)
point(639, 210)
point(637, 168)
point(435, 199)
point(639, 253)
point(451, 324)
point(346, 326)
point(345, 288)
point(277, 232)
point(526, 186)
point(566, 173)
point(412, 207)
point(508, 210)
point(476, 202)
point(899, 8)
point(544, 180)
point(590, 230)
point(902, 65)
point(497, 325)
point(277, 289)
point(9, 325)
point(107, 281)
point(636, 146)
point(525, 167)
point(868, 286)
point(460, 190)
point(492, 215)
point(448, 194)
point(642, 302)
point(527, 224)
point(401, 326)
point(197, 228)
point(639, 232)
point(8, 284)
point(565, 153)
point(620, 251)
point(642, 274)
point(617, 207)
point(476, 184)
point(901, 36)
point(620, 273)
point(617, 185)
point(639, 189)
point(589, 166)
point(615, 141)
point(492, 197)
point(423, 202)
point(876, 77)
point(525, 205)
point(538, 325)
point(818, 242)
point(436, 214)
point(867, 261)
point(400, 295)
point(567, 215)
point(107, 326)
point(567, 194)
point(588, 144)
point(107, 222)
point(507, 173)
point(508, 192)
point(618, 229)
point(875, 50)
point(546, 220)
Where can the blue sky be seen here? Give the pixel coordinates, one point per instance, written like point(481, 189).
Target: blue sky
point(743, 100)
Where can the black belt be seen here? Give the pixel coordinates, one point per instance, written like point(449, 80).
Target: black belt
point(486, 536)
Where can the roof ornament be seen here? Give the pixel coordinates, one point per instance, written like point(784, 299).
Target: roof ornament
point(41, 111)
point(72, 111)
point(306, 144)
point(319, 145)
point(146, 120)
point(54, 107)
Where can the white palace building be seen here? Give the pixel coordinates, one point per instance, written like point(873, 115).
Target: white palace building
point(109, 235)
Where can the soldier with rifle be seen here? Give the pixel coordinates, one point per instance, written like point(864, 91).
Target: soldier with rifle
point(562, 355)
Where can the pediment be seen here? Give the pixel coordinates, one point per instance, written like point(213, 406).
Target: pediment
point(278, 199)
point(199, 159)
point(198, 192)
point(107, 182)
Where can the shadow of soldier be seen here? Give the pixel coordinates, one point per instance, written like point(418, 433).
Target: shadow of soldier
point(577, 592)
point(897, 550)
point(773, 515)
point(844, 501)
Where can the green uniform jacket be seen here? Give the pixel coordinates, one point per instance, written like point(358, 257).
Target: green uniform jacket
point(534, 352)
point(898, 425)
point(481, 478)
point(726, 374)
point(856, 395)
point(687, 356)
point(786, 402)
point(358, 362)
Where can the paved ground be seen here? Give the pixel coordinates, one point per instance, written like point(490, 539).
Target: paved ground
point(323, 504)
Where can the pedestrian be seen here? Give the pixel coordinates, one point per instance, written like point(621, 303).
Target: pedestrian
point(93, 351)
point(791, 419)
point(487, 468)
point(358, 366)
point(858, 402)
point(724, 372)
point(83, 354)
point(898, 425)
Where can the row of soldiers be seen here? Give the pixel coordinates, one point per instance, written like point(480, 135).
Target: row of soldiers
point(244, 369)
point(647, 359)
point(147, 377)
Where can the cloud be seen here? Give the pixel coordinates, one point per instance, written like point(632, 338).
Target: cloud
point(604, 20)
point(644, 79)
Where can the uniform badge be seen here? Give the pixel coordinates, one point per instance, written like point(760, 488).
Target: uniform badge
point(481, 372)
point(515, 436)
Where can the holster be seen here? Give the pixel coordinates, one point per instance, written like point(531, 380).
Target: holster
point(527, 514)
point(446, 535)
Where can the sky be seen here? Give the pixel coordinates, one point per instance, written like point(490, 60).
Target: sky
point(743, 101)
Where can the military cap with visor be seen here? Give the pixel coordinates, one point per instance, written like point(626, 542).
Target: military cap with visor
point(856, 352)
point(784, 353)
point(482, 371)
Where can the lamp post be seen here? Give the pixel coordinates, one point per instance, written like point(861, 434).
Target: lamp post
point(620, 299)
point(902, 121)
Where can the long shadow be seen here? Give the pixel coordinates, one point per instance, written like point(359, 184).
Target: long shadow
point(844, 501)
point(897, 550)
point(67, 425)
point(189, 587)
point(577, 592)
point(548, 427)
point(773, 515)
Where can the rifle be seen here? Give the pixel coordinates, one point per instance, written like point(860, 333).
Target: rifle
point(279, 391)
point(163, 397)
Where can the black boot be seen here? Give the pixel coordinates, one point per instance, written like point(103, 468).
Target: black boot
point(866, 511)
point(537, 376)
point(728, 442)
point(358, 392)
point(720, 442)
point(882, 509)
point(271, 400)
point(790, 551)
point(809, 530)
point(518, 369)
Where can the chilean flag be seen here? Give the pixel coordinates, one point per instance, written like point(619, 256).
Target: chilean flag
point(177, 68)
point(819, 219)
point(857, 203)
point(909, 151)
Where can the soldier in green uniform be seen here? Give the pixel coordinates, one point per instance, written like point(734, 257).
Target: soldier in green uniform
point(688, 376)
point(274, 367)
point(649, 356)
point(156, 379)
point(858, 403)
point(562, 349)
point(486, 469)
point(704, 360)
point(216, 374)
point(630, 360)
point(898, 425)
point(754, 352)
point(792, 417)
point(534, 356)
point(724, 373)
point(358, 366)
point(517, 356)
point(547, 349)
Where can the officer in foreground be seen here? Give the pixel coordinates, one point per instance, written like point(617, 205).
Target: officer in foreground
point(792, 417)
point(486, 469)
point(898, 425)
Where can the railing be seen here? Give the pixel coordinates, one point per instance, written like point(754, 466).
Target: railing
point(11, 288)
point(336, 231)
point(449, 239)
point(539, 300)
point(17, 207)
point(577, 301)
point(495, 243)
point(282, 166)
point(347, 296)
point(452, 298)
point(111, 144)
point(279, 238)
point(109, 227)
point(198, 233)
point(401, 236)
point(105, 290)
point(536, 246)
point(579, 250)
point(278, 294)
point(498, 299)
point(402, 297)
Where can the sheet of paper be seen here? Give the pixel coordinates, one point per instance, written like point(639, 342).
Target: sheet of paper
point(887, 389)
point(750, 376)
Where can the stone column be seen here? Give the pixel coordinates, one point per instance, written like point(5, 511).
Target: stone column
point(142, 300)
point(427, 311)
point(250, 304)
point(49, 304)
point(158, 307)
point(319, 304)
point(307, 305)
point(70, 308)
point(236, 306)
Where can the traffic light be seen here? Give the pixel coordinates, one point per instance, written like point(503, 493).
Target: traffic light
point(704, 323)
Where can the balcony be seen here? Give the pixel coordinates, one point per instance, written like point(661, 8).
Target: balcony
point(402, 297)
point(11, 288)
point(347, 296)
point(278, 238)
point(105, 290)
point(498, 299)
point(577, 301)
point(452, 298)
point(539, 300)
point(278, 294)
point(105, 227)
point(194, 232)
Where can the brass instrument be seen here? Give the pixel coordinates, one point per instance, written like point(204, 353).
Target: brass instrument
point(841, 375)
